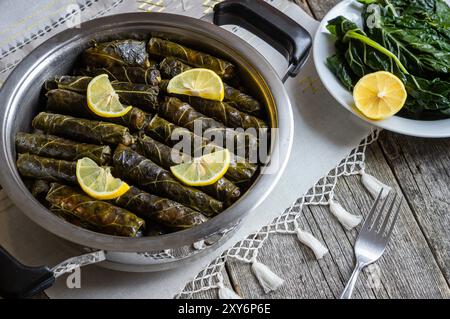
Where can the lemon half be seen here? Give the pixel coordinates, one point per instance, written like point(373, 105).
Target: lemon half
point(203, 83)
point(98, 182)
point(205, 170)
point(103, 100)
point(379, 95)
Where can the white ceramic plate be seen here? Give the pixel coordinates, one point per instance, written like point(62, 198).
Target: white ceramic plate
point(324, 47)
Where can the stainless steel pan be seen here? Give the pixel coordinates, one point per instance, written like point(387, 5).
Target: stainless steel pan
point(19, 102)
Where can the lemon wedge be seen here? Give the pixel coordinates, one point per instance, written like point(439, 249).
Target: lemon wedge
point(98, 182)
point(205, 170)
point(379, 95)
point(103, 100)
point(203, 83)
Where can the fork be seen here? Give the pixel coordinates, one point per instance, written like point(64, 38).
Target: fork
point(372, 239)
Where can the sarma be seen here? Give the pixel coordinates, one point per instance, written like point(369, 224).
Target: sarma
point(224, 112)
point(135, 94)
point(185, 115)
point(171, 67)
point(75, 104)
point(117, 53)
point(164, 131)
point(82, 130)
point(57, 147)
point(106, 217)
point(45, 168)
point(165, 48)
point(40, 189)
point(137, 169)
point(161, 210)
point(165, 156)
point(131, 74)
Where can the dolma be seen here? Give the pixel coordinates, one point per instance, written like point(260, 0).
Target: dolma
point(117, 53)
point(164, 131)
point(137, 169)
point(131, 74)
point(60, 148)
point(82, 130)
point(102, 215)
point(48, 169)
point(161, 210)
point(165, 156)
point(39, 190)
point(224, 112)
point(75, 104)
point(171, 134)
point(165, 48)
point(135, 94)
point(171, 67)
point(186, 116)
point(183, 114)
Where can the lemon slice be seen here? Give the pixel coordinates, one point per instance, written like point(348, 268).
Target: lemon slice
point(198, 82)
point(103, 100)
point(98, 182)
point(205, 170)
point(379, 95)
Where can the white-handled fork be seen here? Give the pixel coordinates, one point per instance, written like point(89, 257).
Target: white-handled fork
point(372, 239)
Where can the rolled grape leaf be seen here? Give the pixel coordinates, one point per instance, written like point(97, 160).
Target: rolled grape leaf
point(57, 147)
point(48, 169)
point(141, 171)
point(161, 210)
point(171, 67)
point(165, 156)
point(135, 94)
point(168, 133)
point(224, 112)
point(117, 53)
point(75, 104)
point(165, 48)
point(186, 116)
point(82, 130)
point(39, 189)
point(104, 216)
point(131, 74)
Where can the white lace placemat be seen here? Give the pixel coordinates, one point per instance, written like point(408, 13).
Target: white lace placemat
point(325, 134)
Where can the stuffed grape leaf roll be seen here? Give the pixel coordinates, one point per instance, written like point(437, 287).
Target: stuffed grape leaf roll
point(104, 216)
point(75, 104)
point(224, 112)
point(48, 169)
point(137, 169)
point(168, 133)
point(135, 94)
point(165, 48)
point(82, 130)
point(165, 156)
point(171, 67)
point(161, 210)
point(117, 53)
point(131, 74)
point(183, 114)
point(57, 147)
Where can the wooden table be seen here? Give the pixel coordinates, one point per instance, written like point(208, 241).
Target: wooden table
point(417, 261)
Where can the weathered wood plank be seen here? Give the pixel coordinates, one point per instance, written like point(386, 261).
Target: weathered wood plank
point(423, 168)
point(320, 8)
point(407, 270)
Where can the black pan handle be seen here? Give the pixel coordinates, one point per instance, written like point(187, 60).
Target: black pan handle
point(20, 281)
point(284, 34)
